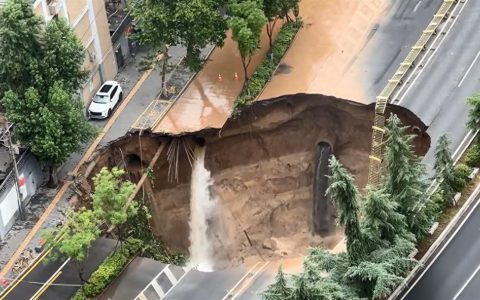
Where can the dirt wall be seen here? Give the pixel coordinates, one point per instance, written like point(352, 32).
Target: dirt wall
point(262, 164)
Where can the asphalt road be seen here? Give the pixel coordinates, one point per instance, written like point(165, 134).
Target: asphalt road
point(29, 286)
point(438, 98)
point(388, 45)
point(454, 274)
point(439, 95)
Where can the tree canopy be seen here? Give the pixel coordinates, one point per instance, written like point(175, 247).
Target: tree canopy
point(344, 193)
point(40, 74)
point(110, 196)
point(404, 177)
point(246, 22)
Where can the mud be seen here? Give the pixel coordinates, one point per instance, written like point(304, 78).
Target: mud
point(263, 164)
point(321, 59)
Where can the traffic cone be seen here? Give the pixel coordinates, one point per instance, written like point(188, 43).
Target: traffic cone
point(235, 76)
point(4, 282)
point(220, 79)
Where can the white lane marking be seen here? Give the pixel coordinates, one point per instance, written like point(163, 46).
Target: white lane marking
point(416, 6)
point(467, 282)
point(250, 280)
point(240, 281)
point(469, 69)
point(474, 194)
point(40, 291)
point(431, 56)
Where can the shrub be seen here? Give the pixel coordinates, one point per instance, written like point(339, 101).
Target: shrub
point(265, 70)
point(461, 172)
point(109, 269)
point(472, 157)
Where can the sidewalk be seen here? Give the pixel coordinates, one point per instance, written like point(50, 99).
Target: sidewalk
point(128, 77)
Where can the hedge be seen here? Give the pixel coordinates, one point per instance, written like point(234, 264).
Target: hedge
point(265, 70)
point(109, 270)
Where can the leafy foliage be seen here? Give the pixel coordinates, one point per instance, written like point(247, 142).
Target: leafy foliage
point(443, 167)
point(52, 127)
point(472, 156)
point(40, 72)
point(404, 177)
point(111, 195)
point(278, 290)
point(109, 270)
point(474, 112)
point(74, 238)
point(209, 28)
point(138, 227)
point(274, 11)
point(382, 221)
point(343, 192)
point(20, 57)
point(461, 174)
point(265, 70)
point(246, 22)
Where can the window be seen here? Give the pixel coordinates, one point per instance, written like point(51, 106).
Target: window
point(112, 94)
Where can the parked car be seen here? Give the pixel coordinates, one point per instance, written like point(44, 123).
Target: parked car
point(105, 100)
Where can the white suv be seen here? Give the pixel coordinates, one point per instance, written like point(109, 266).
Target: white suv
point(105, 100)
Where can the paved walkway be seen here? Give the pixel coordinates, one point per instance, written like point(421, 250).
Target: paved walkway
point(143, 95)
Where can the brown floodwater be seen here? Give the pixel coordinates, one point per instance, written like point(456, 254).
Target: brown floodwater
point(207, 101)
point(319, 62)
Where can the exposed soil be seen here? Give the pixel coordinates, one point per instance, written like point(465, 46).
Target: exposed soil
point(262, 164)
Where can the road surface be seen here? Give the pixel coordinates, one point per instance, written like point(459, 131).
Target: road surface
point(29, 286)
point(438, 98)
point(454, 274)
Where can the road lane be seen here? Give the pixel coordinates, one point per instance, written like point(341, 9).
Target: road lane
point(454, 266)
point(437, 96)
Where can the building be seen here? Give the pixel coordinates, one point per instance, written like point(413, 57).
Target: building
point(120, 28)
point(88, 19)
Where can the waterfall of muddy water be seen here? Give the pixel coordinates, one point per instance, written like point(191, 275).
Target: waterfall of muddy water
point(202, 206)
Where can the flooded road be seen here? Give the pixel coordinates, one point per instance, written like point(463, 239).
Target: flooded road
point(320, 59)
point(208, 100)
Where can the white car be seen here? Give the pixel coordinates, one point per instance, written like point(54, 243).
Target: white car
point(105, 100)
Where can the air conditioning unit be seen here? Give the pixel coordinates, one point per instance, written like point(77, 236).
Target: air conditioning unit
point(54, 8)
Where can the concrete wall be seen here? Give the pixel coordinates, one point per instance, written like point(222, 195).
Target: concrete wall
point(29, 168)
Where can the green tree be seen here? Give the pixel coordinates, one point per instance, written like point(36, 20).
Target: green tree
point(404, 177)
point(199, 23)
point(343, 192)
point(444, 168)
point(279, 290)
point(53, 127)
point(110, 196)
point(19, 46)
point(63, 56)
point(474, 112)
point(276, 10)
point(246, 21)
point(381, 218)
point(155, 24)
point(75, 238)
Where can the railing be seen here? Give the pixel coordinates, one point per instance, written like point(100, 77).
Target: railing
point(384, 97)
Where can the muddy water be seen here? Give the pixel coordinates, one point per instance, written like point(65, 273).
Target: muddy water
point(202, 206)
point(208, 101)
point(320, 60)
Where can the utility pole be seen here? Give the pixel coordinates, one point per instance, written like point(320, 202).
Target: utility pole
point(8, 143)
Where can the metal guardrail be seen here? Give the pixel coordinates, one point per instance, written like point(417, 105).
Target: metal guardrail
point(384, 97)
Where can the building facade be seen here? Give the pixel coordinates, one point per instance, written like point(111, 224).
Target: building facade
point(88, 19)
